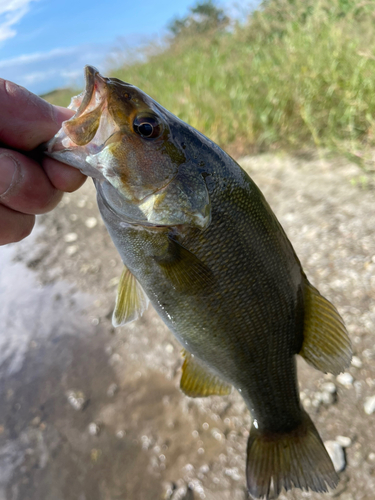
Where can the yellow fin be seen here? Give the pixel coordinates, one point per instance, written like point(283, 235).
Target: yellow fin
point(198, 382)
point(326, 344)
point(131, 301)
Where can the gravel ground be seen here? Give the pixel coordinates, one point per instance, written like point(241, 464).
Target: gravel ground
point(89, 413)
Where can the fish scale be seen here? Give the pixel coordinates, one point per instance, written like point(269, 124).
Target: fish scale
point(200, 242)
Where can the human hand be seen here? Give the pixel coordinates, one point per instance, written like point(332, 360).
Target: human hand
point(30, 183)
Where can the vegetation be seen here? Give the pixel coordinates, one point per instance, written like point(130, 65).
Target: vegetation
point(202, 19)
point(60, 97)
point(297, 73)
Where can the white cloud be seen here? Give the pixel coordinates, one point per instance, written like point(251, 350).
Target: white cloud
point(11, 12)
point(41, 72)
point(36, 57)
point(36, 77)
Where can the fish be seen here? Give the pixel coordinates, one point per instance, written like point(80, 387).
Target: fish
point(200, 242)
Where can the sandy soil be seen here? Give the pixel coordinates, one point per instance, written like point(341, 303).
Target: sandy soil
point(90, 413)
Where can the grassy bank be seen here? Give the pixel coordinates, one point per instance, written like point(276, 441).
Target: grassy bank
point(296, 74)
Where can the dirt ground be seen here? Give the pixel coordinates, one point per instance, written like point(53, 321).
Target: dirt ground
point(90, 413)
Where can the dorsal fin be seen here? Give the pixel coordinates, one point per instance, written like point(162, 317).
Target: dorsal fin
point(131, 300)
point(326, 344)
point(198, 382)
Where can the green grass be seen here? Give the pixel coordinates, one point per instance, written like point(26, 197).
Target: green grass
point(60, 97)
point(297, 74)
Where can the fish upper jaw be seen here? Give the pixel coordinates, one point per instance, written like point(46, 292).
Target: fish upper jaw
point(88, 131)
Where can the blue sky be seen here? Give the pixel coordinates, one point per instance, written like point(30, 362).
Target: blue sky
point(44, 44)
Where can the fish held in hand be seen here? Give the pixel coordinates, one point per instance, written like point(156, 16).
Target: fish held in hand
point(200, 242)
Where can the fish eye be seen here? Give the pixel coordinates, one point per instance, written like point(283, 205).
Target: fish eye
point(148, 127)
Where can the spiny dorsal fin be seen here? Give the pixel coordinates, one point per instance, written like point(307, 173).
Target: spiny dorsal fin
point(198, 382)
point(326, 344)
point(186, 272)
point(131, 301)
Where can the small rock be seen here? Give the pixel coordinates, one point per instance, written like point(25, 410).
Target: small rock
point(317, 399)
point(358, 388)
point(327, 398)
point(95, 455)
point(329, 387)
point(94, 429)
point(77, 399)
point(344, 441)
point(336, 452)
point(181, 493)
point(233, 473)
point(35, 421)
point(112, 389)
point(114, 281)
point(204, 469)
point(91, 222)
point(369, 405)
point(71, 249)
point(81, 203)
point(307, 402)
point(356, 362)
point(217, 434)
point(345, 379)
point(346, 496)
point(367, 353)
point(169, 348)
point(70, 237)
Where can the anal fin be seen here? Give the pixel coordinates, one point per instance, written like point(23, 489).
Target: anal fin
point(326, 344)
point(198, 382)
point(131, 301)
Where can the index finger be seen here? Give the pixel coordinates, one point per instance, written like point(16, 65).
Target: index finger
point(26, 119)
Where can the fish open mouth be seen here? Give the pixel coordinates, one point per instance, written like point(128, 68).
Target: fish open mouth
point(82, 127)
point(88, 131)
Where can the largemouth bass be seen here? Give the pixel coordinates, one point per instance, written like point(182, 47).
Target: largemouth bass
point(200, 242)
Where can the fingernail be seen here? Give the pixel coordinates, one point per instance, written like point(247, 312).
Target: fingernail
point(8, 173)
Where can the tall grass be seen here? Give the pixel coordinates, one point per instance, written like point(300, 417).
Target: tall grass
point(298, 73)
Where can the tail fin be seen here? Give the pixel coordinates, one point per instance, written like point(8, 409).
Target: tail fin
point(297, 459)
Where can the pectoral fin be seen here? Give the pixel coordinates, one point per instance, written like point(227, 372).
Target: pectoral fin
point(198, 382)
point(131, 301)
point(186, 272)
point(326, 344)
